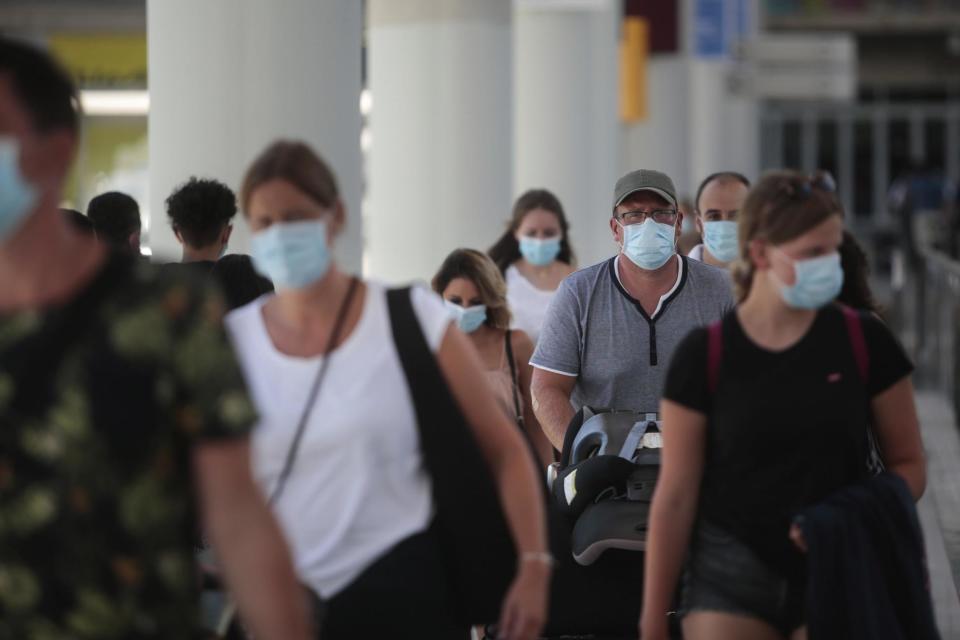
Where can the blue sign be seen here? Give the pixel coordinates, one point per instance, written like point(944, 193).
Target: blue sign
point(709, 23)
point(718, 25)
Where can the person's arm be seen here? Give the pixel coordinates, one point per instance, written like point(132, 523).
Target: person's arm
point(522, 352)
point(672, 513)
point(550, 398)
point(525, 607)
point(898, 433)
point(557, 362)
point(251, 551)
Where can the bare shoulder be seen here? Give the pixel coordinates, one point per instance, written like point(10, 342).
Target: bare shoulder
point(522, 345)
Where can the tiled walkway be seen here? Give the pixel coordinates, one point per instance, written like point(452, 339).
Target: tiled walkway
point(940, 509)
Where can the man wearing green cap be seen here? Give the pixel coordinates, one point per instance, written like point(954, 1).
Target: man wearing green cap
point(612, 327)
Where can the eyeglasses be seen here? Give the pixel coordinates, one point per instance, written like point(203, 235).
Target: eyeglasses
point(663, 216)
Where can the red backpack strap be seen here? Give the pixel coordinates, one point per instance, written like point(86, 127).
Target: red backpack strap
point(714, 355)
point(857, 341)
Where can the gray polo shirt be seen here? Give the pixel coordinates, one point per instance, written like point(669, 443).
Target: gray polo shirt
point(595, 331)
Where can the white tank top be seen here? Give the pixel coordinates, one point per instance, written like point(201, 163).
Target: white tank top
point(358, 486)
point(527, 303)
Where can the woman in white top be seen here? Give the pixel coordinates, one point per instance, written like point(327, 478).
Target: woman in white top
point(357, 506)
point(534, 256)
point(475, 293)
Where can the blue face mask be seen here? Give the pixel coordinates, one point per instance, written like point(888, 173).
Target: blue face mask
point(819, 281)
point(649, 245)
point(17, 196)
point(469, 319)
point(539, 252)
point(292, 254)
point(720, 237)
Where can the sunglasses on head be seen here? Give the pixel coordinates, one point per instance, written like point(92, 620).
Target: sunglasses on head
point(802, 189)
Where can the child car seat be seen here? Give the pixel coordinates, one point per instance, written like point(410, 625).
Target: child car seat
point(605, 479)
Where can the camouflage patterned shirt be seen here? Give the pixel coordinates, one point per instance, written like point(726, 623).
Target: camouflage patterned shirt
point(101, 402)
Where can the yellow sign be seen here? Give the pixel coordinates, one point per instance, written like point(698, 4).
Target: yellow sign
point(634, 54)
point(103, 61)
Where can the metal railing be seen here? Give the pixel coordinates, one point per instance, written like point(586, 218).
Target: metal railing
point(865, 146)
point(927, 301)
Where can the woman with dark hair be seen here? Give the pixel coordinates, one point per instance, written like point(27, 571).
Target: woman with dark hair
point(766, 414)
point(475, 293)
point(534, 256)
point(856, 291)
point(332, 387)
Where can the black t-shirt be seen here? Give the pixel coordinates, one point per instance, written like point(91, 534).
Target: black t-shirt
point(239, 281)
point(784, 429)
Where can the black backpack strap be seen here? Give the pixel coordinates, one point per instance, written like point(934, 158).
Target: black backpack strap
point(514, 378)
point(858, 342)
point(474, 539)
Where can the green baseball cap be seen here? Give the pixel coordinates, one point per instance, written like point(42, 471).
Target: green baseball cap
point(645, 180)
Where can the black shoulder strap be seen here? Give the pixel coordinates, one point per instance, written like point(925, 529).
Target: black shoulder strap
point(514, 379)
point(416, 358)
point(425, 381)
point(479, 559)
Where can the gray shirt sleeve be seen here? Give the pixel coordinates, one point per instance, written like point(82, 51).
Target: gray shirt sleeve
point(558, 349)
point(729, 303)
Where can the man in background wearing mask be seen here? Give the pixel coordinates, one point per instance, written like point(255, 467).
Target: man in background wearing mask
point(611, 329)
point(122, 414)
point(719, 199)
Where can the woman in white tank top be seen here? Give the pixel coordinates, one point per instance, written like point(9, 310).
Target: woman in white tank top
point(534, 256)
point(475, 294)
point(357, 505)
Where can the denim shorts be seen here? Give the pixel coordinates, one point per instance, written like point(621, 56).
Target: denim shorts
point(723, 574)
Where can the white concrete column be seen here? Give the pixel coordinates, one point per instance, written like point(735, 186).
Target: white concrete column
point(566, 136)
point(227, 77)
point(440, 163)
point(724, 127)
point(661, 140)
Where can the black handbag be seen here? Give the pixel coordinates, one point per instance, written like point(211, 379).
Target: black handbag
point(476, 547)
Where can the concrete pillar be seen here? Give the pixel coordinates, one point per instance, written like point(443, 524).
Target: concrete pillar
point(229, 76)
point(661, 140)
point(440, 162)
point(567, 134)
point(724, 127)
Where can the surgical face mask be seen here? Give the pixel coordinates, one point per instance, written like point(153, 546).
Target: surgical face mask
point(17, 196)
point(818, 282)
point(469, 319)
point(649, 245)
point(539, 252)
point(292, 254)
point(720, 238)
